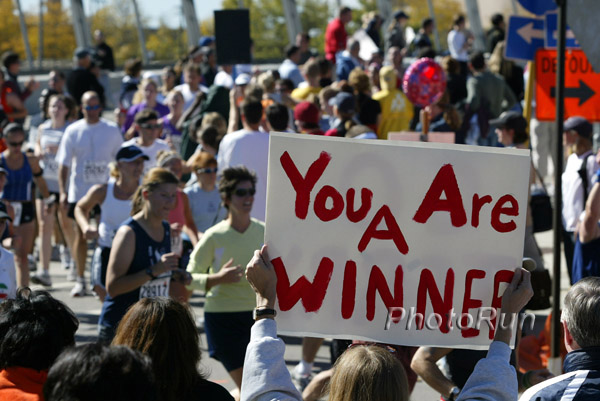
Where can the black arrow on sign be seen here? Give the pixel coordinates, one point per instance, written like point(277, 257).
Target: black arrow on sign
point(583, 93)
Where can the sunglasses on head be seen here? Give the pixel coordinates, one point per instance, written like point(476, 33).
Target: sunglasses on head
point(241, 192)
point(151, 126)
point(91, 108)
point(15, 144)
point(207, 170)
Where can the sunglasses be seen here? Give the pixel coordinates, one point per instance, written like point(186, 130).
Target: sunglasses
point(15, 144)
point(207, 170)
point(91, 108)
point(151, 126)
point(242, 192)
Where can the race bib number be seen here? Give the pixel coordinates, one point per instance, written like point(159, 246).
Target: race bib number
point(95, 172)
point(158, 287)
point(50, 167)
point(18, 208)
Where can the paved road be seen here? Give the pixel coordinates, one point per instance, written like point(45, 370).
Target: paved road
point(88, 309)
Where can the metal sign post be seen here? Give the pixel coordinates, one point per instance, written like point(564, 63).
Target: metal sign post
point(554, 363)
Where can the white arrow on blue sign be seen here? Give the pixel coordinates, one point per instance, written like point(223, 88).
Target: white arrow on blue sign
point(551, 35)
point(538, 7)
point(525, 35)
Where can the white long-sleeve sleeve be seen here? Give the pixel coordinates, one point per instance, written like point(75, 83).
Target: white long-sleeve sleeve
point(266, 377)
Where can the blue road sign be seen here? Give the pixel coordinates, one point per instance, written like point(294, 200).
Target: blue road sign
point(551, 34)
point(538, 7)
point(525, 35)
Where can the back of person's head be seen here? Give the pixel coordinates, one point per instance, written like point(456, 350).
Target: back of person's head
point(267, 81)
point(344, 11)
point(426, 23)
point(359, 80)
point(133, 67)
point(286, 84)
point(95, 372)
point(290, 50)
point(164, 329)
point(497, 19)
point(368, 373)
point(209, 136)
point(458, 19)
point(214, 119)
point(581, 312)
point(145, 116)
point(278, 116)
point(311, 69)
point(427, 52)
point(8, 58)
point(352, 45)
point(450, 65)
point(34, 329)
point(251, 109)
point(477, 61)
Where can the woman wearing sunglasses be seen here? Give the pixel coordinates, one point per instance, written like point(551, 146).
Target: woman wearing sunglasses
point(23, 169)
point(217, 264)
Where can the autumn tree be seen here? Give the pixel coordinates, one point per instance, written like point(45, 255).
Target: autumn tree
point(10, 32)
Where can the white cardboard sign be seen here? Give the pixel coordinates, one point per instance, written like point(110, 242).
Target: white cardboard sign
point(365, 236)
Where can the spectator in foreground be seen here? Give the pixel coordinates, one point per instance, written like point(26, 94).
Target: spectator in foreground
point(34, 330)
point(356, 374)
point(581, 335)
point(95, 372)
point(164, 329)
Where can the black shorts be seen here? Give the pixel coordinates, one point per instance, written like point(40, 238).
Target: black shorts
point(228, 335)
point(27, 212)
point(71, 212)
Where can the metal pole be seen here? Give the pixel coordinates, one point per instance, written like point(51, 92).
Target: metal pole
point(191, 22)
point(23, 26)
point(41, 35)
point(556, 338)
point(436, 33)
point(514, 7)
point(140, 28)
point(292, 18)
point(475, 24)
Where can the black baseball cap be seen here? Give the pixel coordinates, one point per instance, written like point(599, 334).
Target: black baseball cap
point(511, 120)
point(400, 14)
point(579, 125)
point(130, 153)
point(3, 212)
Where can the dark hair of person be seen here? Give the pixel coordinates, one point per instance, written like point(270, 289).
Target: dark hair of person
point(458, 19)
point(133, 67)
point(345, 10)
point(210, 136)
point(231, 177)
point(252, 110)
point(146, 115)
point(497, 19)
point(96, 372)
point(152, 180)
point(164, 329)
point(477, 61)
point(287, 83)
point(426, 52)
point(34, 329)
point(58, 73)
point(191, 67)
point(278, 116)
point(426, 23)
point(45, 97)
point(290, 50)
point(8, 58)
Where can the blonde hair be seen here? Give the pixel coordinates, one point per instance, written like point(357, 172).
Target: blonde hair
point(498, 64)
point(368, 373)
point(138, 97)
point(359, 80)
point(214, 119)
point(164, 157)
point(152, 180)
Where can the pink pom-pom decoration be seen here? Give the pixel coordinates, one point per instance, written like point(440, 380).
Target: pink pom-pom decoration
point(424, 82)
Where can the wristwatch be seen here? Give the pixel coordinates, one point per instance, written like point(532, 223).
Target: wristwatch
point(150, 273)
point(263, 313)
point(454, 393)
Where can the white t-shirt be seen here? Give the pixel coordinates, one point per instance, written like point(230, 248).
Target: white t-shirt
point(188, 95)
point(87, 150)
point(250, 149)
point(572, 188)
point(8, 275)
point(49, 142)
point(456, 41)
point(150, 151)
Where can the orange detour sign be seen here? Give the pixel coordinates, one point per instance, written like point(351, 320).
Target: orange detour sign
point(582, 86)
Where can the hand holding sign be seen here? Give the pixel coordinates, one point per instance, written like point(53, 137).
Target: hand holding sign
point(515, 297)
point(261, 276)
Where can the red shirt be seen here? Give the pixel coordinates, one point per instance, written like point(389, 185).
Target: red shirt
point(22, 384)
point(335, 39)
